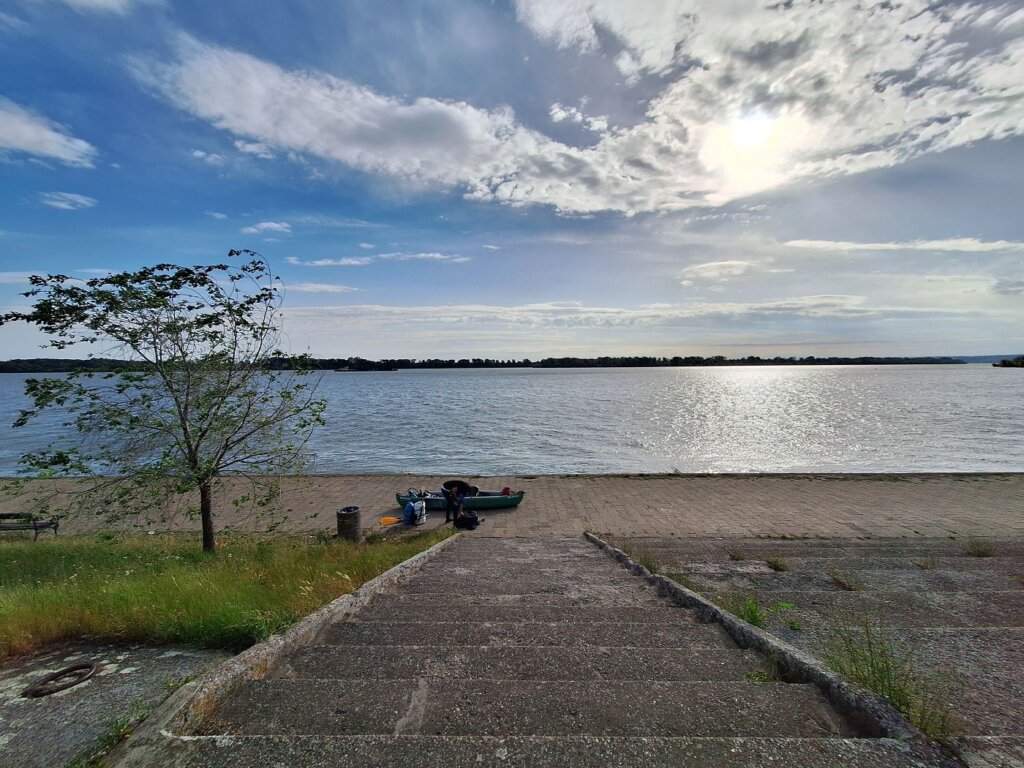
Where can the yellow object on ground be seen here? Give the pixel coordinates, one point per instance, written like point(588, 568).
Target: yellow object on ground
point(389, 520)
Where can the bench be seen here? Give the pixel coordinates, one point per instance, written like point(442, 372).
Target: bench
point(26, 521)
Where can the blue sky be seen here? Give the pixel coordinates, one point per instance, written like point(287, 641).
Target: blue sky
point(529, 178)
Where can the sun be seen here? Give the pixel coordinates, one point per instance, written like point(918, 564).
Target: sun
point(752, 151)
point(751, 131)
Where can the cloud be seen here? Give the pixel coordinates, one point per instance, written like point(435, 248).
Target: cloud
point(750, 97)
point(491, 247)
point(320, 288)
point(362, 261)
point(431, 256)
point(268, 226)
point(216, 215)
point(715, 270)
point(66, 201)
point(12, 24)
point(120, 7)
point(1009, 287)
point(367, 245)
point(563, 315)
point(208, 157)
point(355, 261)
point(257, 148)
point(339, 222)
point(560, 113)
point(958, 244)
point(22, 130)
point(14, 278)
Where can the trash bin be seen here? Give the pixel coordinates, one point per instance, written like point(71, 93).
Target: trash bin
point(348, 524)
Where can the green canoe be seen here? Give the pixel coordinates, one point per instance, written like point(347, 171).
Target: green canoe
point(485, 500)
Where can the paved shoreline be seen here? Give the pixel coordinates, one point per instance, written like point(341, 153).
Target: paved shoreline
point(776, 505)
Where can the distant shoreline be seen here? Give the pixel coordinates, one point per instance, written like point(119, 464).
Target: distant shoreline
point(108, 365)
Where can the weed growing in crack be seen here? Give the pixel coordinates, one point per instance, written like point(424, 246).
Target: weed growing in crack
point(748, 609)
point(844, 581)
point(871, 658)
point(978, 548)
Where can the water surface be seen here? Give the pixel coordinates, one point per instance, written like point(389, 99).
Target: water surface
point(741, 419)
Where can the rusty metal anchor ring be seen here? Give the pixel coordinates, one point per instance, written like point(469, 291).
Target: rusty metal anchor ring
point(61, 680)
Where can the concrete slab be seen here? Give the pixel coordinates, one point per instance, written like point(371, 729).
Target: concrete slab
point(608, 634)
point(539, 752)
point(524, 708)
point(57, 729)
point(520, 663)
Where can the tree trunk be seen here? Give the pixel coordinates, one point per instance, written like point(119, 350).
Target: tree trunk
point(206, 512)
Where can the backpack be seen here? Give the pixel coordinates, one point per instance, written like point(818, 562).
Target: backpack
point(467, 520)
point(415, 513)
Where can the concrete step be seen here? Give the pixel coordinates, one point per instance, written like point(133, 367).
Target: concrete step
point(514, 609)
point(525, 708)
point(454, 601)
point(609, 634)
point(870, 579)
point(541, 752)
point(895, 609)
point(520, 663)
point(911, 562)
point(759, 549)
point(525, 583)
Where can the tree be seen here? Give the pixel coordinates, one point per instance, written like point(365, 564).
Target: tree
point(198, 404)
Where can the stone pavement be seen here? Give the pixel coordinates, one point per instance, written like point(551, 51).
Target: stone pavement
point(672, 505)
point(525, 652)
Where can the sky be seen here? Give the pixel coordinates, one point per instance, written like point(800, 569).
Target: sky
point(531, 178)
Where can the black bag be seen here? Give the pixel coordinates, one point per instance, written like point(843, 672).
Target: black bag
point(466, 519)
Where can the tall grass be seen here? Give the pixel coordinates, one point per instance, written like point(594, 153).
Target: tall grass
point(868, 656)
point(163, 589)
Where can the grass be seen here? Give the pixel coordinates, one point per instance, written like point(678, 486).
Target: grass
point(929, 563)
point(736, 555)
point(646, 559)
point(869, 657)
point(684, 580)
point(163, 589)
point(978, 548)
point(748, 609)
point(777, 564)
point(760, 676)
point(845, 581)
point(119, 730)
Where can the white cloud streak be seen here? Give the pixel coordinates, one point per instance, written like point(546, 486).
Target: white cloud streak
point(67, 201)
point(267, 226)
point(556, 315)
point(958, 244)
point(22, 130)
point(362, 261)
point(212, 158)
point(257, 148)
point(320, 288)
point(119, 7)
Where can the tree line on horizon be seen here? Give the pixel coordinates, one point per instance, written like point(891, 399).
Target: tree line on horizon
point(100, 364)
